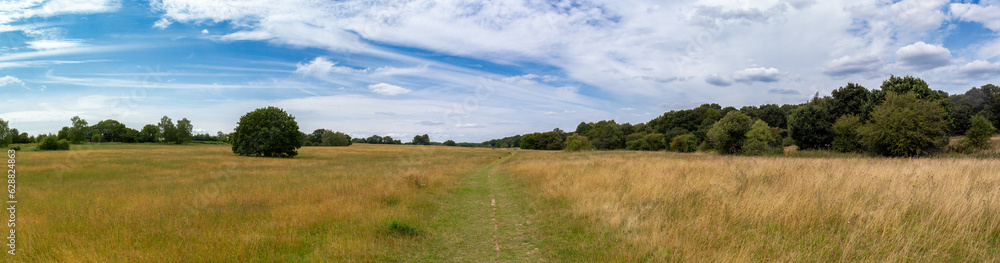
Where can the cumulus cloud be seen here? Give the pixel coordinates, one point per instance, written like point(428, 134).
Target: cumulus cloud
point(988, 15)
point(923, 56)
point(849, 65)
point(7, 80)
point(751, 75)
point(387, 89)
point(980, 69)
point(717, 80)
point(163, 23)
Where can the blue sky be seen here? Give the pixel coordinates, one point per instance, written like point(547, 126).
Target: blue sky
point(466, 70)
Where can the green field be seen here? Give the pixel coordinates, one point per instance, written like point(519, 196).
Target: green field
point(364, 203)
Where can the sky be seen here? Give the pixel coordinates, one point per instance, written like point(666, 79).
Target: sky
point(466, 70)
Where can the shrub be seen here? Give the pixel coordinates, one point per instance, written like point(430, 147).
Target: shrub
point(268, 132)
point(450, 143)
point(978, 136)
point(684, 143)
point(577, 142)
point(50, 143)
point(845, 134)
point(704, 147)
point(905, 125)
point(330, 138)
point(637, 145)
point(761, 140)
point(729, 133)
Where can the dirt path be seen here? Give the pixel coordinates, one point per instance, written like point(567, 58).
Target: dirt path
point(485, 219)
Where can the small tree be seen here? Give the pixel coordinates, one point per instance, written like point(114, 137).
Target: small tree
point(168, 132)
point(450, 143)
point(905, 125)
point(845, 134)
point(577, 142)
point(268, 132)
point(149, 133)
point(978, 136)
point(811, 126)
point(184, 130)
point(729, 133)
point(420, 140)
point(78, 133)
point(684, 143)
point(761, 140)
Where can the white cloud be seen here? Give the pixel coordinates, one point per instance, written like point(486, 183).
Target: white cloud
point(322, 67)
point(527, 79)
point(988, 15)
point(53, 44)
point(204, 31)
point(923, 56)
point(387, 89)
point(980, 70)
point(7, 80)
point(163, 23)
point(751, 75)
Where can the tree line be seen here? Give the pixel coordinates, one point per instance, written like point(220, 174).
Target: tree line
point(904, 117)
point(166, 131)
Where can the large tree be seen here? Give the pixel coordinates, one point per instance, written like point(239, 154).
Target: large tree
point(905, 125)
point(851, 99)
point(268, 132)
point(149, 133)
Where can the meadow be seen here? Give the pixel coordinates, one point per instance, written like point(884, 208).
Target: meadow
point(706, 207)
point(365, 203)
point(202, 203)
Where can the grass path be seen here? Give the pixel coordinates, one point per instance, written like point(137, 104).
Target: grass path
point(486, 218)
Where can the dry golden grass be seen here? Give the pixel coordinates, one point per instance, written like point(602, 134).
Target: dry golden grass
point(704, 207)
point(156, 203)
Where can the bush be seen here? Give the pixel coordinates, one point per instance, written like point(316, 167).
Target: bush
point(978, 136)
point(330, 138)
point(729, 133)
point(637, 145)
point(268, 132)
point(51, 144)
point(450, 143)
point(577, 142)
point(684, 143)
point(761, 140)
point(704, 147)
point(905, 125)
point(845, 134)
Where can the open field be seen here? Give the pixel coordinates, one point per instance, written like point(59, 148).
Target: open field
point(700, 207)
point(167, 203)
point(142, 203)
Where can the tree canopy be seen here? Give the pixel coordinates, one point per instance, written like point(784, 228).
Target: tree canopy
point(268, 132)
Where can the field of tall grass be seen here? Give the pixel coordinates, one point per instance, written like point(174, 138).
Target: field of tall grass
point(166, 203)
point(655, 206)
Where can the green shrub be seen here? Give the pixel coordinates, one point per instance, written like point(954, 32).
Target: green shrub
point(637, 145)
point(684, 143)
point(577, 142)
point(729, 133)
point(761, 140)
point(978, 136)
point(51, 144)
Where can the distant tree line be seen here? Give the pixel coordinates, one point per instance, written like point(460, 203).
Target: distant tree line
point(108, 131)
point(902, 118)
